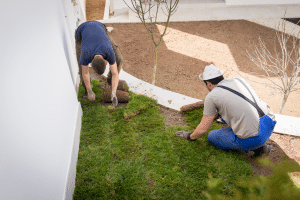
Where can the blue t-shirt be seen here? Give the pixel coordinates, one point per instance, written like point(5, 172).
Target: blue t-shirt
point(94, 41)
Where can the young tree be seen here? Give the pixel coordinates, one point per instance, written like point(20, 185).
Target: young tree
point(284, 63)
point(147, 12)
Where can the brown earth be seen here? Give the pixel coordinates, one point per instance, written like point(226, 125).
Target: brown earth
point(186, 50)
point(94, 9)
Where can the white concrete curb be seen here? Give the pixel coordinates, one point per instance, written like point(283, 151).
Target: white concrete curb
point(287, 125)
point(207, 10)
point(164, 97)
point(106, 10)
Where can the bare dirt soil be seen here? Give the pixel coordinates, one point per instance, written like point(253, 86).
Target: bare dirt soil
point(94, 9)
point(182, 56)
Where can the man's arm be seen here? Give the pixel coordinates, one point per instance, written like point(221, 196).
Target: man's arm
point(115, 76)
point(114, 83)
point(203, 127)
point(86, 79)
point(86, 76)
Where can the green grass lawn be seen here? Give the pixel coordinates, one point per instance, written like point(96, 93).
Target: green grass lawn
point(131, 154)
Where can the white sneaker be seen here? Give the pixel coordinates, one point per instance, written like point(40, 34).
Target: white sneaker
point(109, 29)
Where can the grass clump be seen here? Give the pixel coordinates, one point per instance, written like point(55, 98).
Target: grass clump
point(131, 154)
point(276, 186)
point(139, 104)
point(85, 103)
point(193, 118)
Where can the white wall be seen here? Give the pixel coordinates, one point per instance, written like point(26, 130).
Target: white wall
point(40, 117)
point(261, 2)
point(82, 4)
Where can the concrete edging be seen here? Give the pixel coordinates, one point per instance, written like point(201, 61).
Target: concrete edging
point(106, 10)
point(164, 97)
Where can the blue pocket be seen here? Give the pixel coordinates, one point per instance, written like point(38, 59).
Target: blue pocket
point(266, 127)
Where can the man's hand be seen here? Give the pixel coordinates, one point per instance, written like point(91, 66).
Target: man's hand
point(91, 95)
point(184, 135)
point(114, 98)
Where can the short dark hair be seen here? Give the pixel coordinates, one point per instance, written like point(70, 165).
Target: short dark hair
point(99, 65)
point(215, 81)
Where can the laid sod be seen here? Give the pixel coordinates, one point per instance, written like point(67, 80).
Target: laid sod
point(131, 154)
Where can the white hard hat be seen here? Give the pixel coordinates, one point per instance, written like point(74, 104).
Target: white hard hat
point(210, 72)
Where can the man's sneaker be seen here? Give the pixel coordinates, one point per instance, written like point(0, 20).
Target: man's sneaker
point(262, 151)
point(109, 29)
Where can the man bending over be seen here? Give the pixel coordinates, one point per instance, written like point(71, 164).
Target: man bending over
point(95, 45)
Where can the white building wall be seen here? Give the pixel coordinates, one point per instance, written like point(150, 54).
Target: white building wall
point(40, 116)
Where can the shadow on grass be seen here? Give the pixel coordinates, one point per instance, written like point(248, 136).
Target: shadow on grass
point(131, 154)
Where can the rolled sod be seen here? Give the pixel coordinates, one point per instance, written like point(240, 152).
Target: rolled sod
point(121, 95)
point(199, 104)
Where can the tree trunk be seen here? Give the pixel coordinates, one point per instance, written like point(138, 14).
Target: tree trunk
point(285, 96)
point(155, 64)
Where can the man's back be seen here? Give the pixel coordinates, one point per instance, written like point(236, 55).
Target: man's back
point(238, 113)
point(94, 41)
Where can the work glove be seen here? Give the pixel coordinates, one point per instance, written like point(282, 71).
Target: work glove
point(184, 135)
point(114, 98)
point(91, 95)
